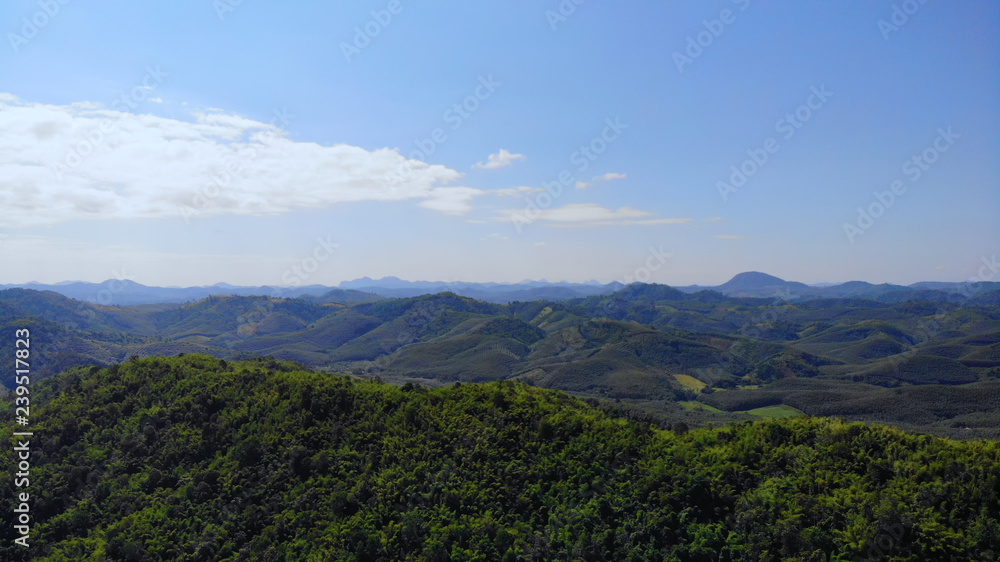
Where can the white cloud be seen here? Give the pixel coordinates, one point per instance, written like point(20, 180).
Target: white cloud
point(83, 161)
point(499, 160)
point(728, 237)
point(156, 100)
point(495, 236)
point(585, 215)
point(648, 222)
point(516, 191)
point(610, 176)
point(588, 212)
point(451, 200)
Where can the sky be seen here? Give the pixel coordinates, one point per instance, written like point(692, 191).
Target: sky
point(257, 143)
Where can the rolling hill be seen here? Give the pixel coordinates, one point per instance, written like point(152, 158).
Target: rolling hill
point(197, 458)
point(631, 345)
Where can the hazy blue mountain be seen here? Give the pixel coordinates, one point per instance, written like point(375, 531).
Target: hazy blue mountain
point(343, 296)
point(501, 293)
point(116, 292)
point(748, 284)
point(757, 284)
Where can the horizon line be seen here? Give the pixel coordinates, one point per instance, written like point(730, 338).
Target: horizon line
point(590, 282)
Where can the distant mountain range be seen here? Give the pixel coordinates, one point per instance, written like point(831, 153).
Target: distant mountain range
point(918, 363)
point(127, 293)
point(748, 284)
point(762, 285)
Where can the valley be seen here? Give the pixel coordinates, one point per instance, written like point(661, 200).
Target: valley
point(930, 363)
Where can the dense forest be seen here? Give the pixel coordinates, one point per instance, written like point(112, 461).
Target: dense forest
point(197, 458)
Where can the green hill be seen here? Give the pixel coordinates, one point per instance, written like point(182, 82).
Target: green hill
point(922, 369)
point(627, 345)
point(194, 458)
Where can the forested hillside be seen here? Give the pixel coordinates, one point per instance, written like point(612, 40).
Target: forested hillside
point(923, 365)
point(194, 458)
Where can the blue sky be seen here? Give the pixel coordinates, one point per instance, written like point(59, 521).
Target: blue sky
point(354, 152)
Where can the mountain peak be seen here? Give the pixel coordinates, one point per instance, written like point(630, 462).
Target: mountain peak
point(125, 282)
point(650, 292)
point(753, 279)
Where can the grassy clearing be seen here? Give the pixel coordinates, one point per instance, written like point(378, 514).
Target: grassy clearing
point(698, 406)
point(690, 382)
point(770, 412)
